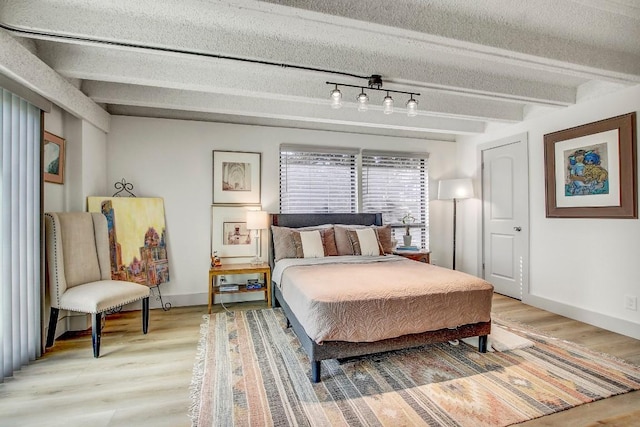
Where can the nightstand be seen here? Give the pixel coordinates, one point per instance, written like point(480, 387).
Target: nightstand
point(228, 269)
point(422, 256)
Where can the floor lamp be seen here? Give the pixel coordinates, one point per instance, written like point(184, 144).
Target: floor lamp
point(455, 189)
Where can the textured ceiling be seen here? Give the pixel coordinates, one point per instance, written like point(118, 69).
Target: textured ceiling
point(262, 62)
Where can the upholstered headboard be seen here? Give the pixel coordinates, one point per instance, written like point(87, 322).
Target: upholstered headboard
point(310, 219)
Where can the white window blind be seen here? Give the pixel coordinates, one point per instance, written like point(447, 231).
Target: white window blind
point(20, 267)
point(317, 179)
point(396, 183)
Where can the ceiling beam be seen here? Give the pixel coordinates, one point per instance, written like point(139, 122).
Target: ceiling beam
point(124, 94)
point(17, 63)
point(501, 98)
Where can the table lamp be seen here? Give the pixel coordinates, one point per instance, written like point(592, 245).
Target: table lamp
point(258, 221)
point(455, 189)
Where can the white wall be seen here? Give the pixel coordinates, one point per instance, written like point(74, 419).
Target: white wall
point(580, 268)
point(172, 159)
point(85, 171)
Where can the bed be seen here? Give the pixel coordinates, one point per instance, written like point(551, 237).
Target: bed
point(351, 305)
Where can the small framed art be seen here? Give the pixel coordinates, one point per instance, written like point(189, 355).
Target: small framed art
point(229, 235)
point(53, 158)
point(236, 177)
point(590, 170)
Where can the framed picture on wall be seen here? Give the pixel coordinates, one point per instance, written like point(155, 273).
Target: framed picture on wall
point(590, 170)
point(53, 158)
point(236, 177)
point(229, 235)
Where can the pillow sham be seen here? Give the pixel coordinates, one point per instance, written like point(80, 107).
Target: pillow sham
point(364, 241)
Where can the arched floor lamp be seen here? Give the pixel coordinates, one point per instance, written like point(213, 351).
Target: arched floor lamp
point(455, 189)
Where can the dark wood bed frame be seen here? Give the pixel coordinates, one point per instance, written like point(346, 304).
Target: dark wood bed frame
point(344, 349)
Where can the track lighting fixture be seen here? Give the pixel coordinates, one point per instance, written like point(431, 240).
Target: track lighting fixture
point(375, 83)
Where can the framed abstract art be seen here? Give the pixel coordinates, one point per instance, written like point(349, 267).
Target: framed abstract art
point(590, 170)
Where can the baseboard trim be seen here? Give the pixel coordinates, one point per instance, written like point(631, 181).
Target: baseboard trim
point(620, 326)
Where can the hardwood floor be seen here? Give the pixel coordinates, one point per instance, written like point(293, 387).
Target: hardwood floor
point(144, 380)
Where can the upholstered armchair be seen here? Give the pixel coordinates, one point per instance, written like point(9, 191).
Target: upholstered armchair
point(79, 271)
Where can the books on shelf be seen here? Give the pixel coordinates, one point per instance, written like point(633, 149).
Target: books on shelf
point(253, 284)
point(229, 288)
point(407, 248)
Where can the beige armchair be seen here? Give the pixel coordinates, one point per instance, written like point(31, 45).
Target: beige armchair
point(79, 271)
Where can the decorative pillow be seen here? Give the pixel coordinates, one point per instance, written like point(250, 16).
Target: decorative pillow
point(364, 241)
point(311, 244)
point(287, 243)
point(283, 244)
point(329, 241)
point(343, 242)
point(385, 237)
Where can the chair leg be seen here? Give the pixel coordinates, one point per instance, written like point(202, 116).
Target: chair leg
point(96, 333)
point(145, 315)
point(53, 322)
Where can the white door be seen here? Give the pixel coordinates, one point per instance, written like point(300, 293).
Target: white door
point(505, 213)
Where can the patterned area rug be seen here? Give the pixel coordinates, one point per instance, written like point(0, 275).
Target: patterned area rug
point(251, 371)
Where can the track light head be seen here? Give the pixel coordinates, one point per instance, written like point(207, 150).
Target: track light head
point(412, 107)
point(336, 98)
point(387, 104)
point(363, 101)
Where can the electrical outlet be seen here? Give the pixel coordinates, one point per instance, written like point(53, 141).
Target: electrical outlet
point(631, 302)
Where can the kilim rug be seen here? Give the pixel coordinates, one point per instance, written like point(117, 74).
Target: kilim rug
point(251, 371)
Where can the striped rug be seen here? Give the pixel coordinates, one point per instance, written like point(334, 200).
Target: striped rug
point(251, 371)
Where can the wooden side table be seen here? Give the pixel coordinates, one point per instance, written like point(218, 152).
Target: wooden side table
point(422, 256)
point(228, 269)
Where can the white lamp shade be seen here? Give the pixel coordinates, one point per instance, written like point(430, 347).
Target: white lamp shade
point(455, 189)
point(257, 220)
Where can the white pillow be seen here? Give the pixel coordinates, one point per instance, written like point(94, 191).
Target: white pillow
point(312, 244)
point(368, 242)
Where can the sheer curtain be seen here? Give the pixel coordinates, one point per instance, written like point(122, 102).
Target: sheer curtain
point(20, 268)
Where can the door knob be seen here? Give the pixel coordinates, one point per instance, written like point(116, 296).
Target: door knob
point(517, 228)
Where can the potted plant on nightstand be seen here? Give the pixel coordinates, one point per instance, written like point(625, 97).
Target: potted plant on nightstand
point(407, 220)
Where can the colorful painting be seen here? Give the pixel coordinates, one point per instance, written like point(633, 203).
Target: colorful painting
point(590, 170)
point(586, 171)
point(137, 238)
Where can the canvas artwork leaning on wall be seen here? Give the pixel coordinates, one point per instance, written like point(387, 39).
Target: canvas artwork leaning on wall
point(137, 238)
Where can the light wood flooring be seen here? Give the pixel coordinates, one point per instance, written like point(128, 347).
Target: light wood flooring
point(142, 380)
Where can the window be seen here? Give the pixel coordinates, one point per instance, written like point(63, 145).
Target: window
point(317, 179)
point(331, 180)
point(395, 183)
